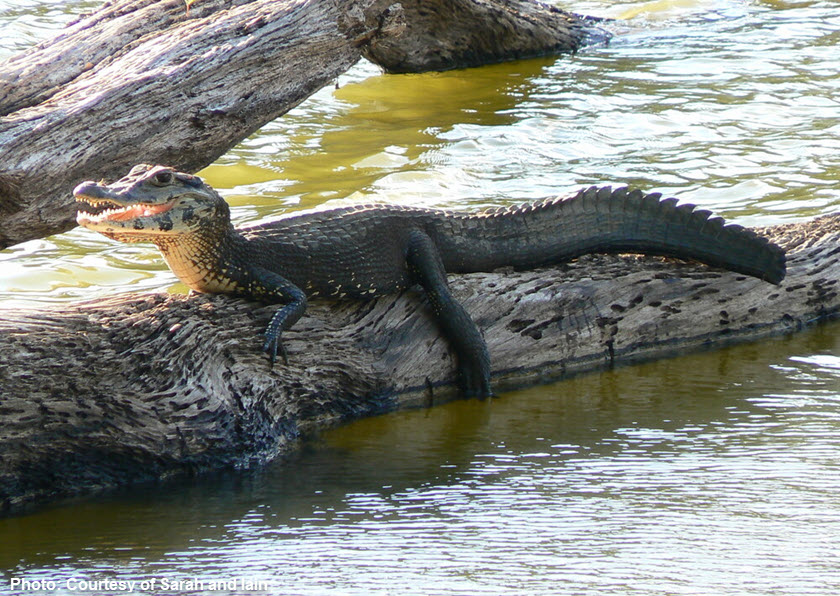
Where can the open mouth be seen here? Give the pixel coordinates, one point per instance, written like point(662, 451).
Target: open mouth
point(98, 210)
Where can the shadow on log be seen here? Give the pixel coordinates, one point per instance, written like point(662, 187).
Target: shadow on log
point(146, 388)
point(149, 80)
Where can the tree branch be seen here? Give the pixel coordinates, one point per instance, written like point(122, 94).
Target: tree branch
point(147, 81)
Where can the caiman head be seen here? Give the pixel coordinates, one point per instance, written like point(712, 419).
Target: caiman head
point(152, 204)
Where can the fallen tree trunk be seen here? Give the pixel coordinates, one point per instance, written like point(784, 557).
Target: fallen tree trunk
point(142, 80)
point(153, 81)
point(140, 388)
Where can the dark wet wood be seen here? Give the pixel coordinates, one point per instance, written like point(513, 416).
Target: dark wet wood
point(133, 388)
point(446, 34)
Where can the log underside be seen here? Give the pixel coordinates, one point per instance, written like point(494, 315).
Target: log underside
point(145, 388)
point(464, 33)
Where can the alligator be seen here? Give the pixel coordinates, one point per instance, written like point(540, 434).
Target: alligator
point(362, 251)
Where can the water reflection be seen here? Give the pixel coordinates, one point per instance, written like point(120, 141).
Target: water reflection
point(374, 132)
point(23, 23)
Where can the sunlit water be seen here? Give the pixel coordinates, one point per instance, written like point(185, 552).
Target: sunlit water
point(710, 474)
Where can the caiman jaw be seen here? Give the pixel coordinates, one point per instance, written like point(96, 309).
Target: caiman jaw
point(152, 204)
point(114, 211)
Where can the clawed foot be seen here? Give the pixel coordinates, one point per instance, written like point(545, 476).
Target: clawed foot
point(475, 382)
point(273, 346)
point(483, 392)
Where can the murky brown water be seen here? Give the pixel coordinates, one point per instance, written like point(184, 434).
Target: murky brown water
point(713, 474)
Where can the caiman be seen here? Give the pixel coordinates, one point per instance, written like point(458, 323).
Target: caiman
point(360, 252)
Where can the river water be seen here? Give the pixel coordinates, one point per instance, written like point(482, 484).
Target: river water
point(710, 474)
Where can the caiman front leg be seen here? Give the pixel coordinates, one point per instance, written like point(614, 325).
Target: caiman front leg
point(426, 268)
point(270, 287)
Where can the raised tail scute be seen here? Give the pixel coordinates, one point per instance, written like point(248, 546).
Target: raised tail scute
point(682, 230)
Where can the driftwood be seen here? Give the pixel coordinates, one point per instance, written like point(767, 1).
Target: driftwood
point(144, 388)
point(152, 81)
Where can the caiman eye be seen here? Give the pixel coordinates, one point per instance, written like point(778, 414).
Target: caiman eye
point(163, 178)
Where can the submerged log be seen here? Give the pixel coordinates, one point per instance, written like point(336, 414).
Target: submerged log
point(145, 388)
point(160, 82)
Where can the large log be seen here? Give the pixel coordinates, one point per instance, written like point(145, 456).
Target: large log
point(150, 387)
point(153, 81)
point(146, 80)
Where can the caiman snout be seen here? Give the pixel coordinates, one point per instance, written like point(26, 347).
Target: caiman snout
point(92, 191)
point(94, 199)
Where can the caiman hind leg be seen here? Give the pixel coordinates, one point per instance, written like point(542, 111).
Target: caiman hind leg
point(426, 267)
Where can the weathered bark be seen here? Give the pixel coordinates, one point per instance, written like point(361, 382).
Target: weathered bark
point(150, 387)
point(147, 81)
point(150, 81)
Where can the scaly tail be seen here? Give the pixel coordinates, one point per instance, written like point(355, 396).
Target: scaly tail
point(605, 220)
